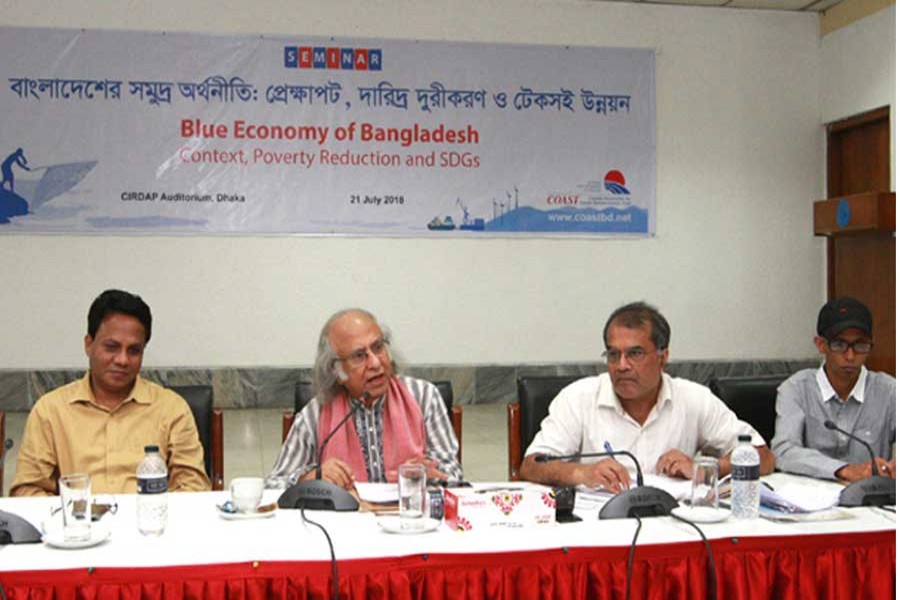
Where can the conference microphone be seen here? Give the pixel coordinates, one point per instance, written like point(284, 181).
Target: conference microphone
point(876, 490)
point(16, 530)
point(13, 528)
point(640, 501)
point(318, 494)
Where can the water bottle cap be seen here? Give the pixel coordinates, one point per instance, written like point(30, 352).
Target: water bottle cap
point(744, 438)
point(153, 448)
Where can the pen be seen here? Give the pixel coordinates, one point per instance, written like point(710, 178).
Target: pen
point(607, 446)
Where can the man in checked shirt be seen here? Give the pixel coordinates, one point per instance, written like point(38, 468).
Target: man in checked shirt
point(397, 419)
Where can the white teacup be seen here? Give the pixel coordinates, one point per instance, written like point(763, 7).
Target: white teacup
point(246, 493)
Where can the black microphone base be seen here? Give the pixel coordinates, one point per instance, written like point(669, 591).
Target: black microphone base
point(318, 495)
point(565, 505)
point(871, 491)
point(644, 501)
point(16, 530)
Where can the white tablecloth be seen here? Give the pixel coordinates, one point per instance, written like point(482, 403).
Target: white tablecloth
point(196, 534)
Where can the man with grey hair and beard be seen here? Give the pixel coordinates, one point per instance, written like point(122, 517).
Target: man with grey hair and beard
point(397, 419)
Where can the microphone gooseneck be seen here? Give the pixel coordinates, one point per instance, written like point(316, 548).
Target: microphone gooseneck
point(318, 494)
point(337, 428)
point(640, 476)
point(829, 424)
point(871, 491)
point(640, 501)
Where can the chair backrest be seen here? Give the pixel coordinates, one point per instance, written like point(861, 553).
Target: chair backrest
point(446, 390)
point(303, 395)
point(752, 398)
point(535, 393)
point(209, 428)
point(454, 412)
point(2, 446)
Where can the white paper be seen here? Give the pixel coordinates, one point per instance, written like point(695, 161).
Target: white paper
point(377, 493)
point(793, 497)
point(588, 498)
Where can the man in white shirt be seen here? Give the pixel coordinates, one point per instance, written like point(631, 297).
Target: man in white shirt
point(635, 406)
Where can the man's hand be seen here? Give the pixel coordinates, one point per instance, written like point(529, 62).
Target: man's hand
point(675, 463)
point(431, 467)
point(858, 471)
point(608, 474)
point(336, 471)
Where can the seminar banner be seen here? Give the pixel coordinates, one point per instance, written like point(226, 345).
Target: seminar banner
point(138, 132)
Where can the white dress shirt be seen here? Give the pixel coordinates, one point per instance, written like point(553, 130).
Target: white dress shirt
point(586, 414)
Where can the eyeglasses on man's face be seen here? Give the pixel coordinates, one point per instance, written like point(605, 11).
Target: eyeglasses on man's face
point(358, 358)
point(634, 355)
point(839, 345)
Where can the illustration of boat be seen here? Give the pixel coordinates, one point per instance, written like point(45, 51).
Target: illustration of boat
point(476, 224)
point(436, 224)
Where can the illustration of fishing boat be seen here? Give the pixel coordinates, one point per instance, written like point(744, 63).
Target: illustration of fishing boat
point(29, 195)
point(447, 224)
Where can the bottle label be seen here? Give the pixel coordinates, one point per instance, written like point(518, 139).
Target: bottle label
point(744, 472)
point(152, 485)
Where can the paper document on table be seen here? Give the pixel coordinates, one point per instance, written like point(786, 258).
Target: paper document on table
point(377, 493)
point(680, 489)
point(777, 514)
point(588, 498)
point(798, 498)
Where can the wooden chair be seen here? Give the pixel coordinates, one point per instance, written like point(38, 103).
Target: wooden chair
point(752, 399)
point(523, 418)
point(453, 411)
point(5, 444)
point(210, 427)
point(303, 394)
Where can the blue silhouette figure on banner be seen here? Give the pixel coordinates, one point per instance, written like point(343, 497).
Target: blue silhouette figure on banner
point(9, 179)
point(12, 204)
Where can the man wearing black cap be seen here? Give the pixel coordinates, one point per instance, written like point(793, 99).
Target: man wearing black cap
point(842, 390)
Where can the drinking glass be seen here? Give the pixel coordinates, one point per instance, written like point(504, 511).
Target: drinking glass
point(705, 485)
point(411, 483)
point(75, 495)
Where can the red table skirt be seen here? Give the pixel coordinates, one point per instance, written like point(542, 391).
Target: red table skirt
point(818, 567)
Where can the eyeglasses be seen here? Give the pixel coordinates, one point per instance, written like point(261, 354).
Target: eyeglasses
point(359, 357)
point(634, 355)
point(839, 345)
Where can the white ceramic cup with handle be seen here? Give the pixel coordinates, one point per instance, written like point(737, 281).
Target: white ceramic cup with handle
point(246, 493)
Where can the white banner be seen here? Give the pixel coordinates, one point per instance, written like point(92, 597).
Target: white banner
point(118, 132)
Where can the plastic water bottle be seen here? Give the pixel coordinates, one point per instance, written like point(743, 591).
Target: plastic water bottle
point(152, 498)
point(744, 480)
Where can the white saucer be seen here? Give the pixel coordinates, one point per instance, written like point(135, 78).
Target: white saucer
point(701, 514)
point(392, 525)
point(239, 516)
point(99, 534)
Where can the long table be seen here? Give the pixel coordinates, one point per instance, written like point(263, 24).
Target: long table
point(203, 556)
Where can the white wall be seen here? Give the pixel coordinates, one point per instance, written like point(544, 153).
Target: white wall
point(734, 266)
point(860, 69)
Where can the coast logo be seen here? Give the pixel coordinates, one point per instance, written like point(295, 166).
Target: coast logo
point(562, 199)
point(332, 58)
point(614, 182)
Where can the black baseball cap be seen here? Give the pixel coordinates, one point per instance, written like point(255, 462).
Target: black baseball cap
point(843, 313)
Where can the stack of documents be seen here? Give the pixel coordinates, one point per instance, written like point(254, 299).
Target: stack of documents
point(798, 502)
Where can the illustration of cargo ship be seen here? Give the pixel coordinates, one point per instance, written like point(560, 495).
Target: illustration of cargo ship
point(469, 224)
